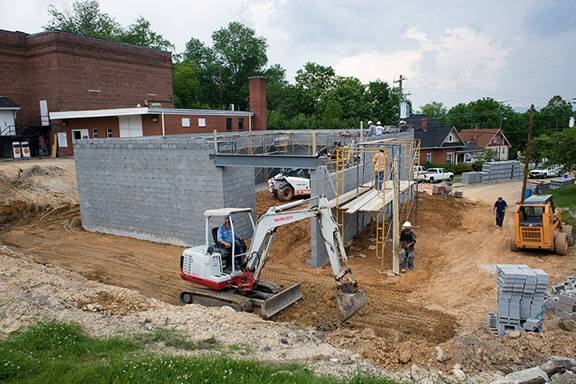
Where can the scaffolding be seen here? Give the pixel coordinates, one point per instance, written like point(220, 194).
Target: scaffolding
point(374, 197)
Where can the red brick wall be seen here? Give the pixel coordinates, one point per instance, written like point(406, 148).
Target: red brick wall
point(438, 155)
point(61, 68)
point(151, 126)
point(258, 103)
point(101, 124)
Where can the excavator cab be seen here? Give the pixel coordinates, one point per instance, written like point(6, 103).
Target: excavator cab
point(538, 225)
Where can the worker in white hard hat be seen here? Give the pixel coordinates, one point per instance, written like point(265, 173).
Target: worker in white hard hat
point(379, 166)
point(407, 242)
point(371, 129)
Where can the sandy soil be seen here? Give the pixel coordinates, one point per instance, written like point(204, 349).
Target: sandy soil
point(442, 304)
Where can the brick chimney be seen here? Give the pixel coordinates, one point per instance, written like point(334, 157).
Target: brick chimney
point(258, 105)
point(424, 124)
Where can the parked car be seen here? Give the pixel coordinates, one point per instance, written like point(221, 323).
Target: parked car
point(544, 173)
point(419, 172)
point(289, 183)
point(438, 174)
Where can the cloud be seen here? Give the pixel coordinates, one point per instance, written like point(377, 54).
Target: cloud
point(450, 60)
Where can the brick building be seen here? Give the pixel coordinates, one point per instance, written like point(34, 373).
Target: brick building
point(75, 86)
point(488, 138)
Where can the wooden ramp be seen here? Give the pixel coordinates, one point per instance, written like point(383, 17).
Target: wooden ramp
point(368, 199)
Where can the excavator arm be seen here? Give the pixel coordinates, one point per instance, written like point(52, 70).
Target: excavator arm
point(350, 298)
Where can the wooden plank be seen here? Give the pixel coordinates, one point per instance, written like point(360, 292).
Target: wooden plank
point(54, 147)
point(348, 196)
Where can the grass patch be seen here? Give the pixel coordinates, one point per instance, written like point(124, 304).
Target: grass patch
point(565, 197)
point(176, 339)
point(61, 353)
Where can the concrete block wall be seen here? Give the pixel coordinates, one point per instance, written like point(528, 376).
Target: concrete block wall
point(156, 188)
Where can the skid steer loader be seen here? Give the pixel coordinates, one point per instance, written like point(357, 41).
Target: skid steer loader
point(230, 279)
point(538, 225)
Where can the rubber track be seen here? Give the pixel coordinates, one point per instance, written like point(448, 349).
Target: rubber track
point(225, 297)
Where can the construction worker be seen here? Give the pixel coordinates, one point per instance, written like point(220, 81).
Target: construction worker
point(225, 238)
point(499, 210)
point(379, 166)
point(407, 242)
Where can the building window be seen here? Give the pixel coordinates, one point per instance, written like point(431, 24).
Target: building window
point(95, 133)
point(228, 123)
point(429, 157)
point(497, 140)
point(109, 132)
point(185, 122)
point(450, 138)
point(240, 123)
point(450, 157)
point(201, 122)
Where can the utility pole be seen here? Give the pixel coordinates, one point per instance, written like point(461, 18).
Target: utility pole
point(399, 81)
point(528, 151)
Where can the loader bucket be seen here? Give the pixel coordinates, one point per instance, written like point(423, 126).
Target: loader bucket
point(349, 301)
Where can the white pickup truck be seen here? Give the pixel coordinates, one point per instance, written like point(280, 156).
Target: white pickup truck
point(419, 172)
point(437, 174)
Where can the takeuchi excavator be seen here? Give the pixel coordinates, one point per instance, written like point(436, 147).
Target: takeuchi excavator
point(225, 278)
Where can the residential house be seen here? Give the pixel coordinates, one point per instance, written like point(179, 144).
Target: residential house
point(488, 138)
point(441, 143)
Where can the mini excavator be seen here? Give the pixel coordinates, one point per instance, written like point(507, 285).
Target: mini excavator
point(222, 277)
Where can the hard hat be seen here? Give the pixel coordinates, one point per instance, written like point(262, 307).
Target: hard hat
point(378, 123)
point(407, 224)
point(369, 121)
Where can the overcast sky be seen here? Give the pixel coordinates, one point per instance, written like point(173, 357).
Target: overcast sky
point(521, 51)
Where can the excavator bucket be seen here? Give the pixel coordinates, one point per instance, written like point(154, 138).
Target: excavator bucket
point(349, 300)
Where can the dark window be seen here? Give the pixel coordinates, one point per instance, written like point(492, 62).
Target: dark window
point(240, 123)
point(228, 123)
point(109, 132)
point(95, 133)
point(76, 135)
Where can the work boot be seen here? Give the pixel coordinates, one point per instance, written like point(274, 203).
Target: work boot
point(403, 270)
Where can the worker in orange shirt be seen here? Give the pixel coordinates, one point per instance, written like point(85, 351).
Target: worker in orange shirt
point(379, 166)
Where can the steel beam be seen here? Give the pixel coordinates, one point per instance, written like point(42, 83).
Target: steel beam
point(268, 161)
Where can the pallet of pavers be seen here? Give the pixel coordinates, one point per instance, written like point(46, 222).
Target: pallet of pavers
point(471, 177)
point(521, 297)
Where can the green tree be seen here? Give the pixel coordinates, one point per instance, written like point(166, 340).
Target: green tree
point(559, 148)
point(240, 53)
point(86, 18)
point(186, 85)
point(314, 81)
point(141, 34)
point(382, 103)
point(435, 110)
point(554, 116)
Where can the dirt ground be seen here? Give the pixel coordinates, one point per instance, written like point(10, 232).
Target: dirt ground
point(442, 305)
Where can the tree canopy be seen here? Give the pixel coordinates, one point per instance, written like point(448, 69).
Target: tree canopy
point(86, 18)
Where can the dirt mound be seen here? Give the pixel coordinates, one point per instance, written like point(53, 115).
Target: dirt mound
point(442, 213)
point(37, 170)
point(114, 304)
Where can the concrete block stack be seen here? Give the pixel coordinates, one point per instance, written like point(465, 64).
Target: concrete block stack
point(521, 297)
point(560, 182)
point(563, 299)
point(502, 170)
point(471, 177)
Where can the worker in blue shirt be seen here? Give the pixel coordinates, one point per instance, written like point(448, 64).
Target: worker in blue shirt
point(499, 210)
point(225, 238)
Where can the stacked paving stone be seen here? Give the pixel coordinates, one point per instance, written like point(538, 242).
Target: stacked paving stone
point(560, 182)
point(501, 170)
point(471, 177)
point(521, 296)
point(563, 299)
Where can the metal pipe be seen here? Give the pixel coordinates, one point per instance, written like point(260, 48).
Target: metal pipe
point(163, 127)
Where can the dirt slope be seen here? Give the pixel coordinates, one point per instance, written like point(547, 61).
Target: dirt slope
point(443, 303)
